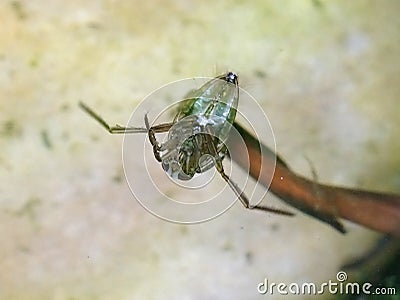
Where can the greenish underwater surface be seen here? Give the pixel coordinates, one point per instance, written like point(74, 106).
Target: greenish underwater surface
point(326, 73)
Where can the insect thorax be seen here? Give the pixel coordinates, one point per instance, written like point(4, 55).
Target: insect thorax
point(193, 144)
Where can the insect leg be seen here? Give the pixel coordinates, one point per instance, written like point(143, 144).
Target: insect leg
point(117, 129)
point(243, 198)
point(152, 137)
point(239, 193)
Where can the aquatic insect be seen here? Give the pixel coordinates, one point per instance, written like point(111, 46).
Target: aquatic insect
point(196, 136)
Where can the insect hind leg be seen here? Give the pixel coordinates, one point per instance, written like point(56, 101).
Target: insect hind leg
point(117, 129)
point(239, 193)
point(242, 196)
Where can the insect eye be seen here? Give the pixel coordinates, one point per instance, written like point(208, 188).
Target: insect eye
point(231, 78)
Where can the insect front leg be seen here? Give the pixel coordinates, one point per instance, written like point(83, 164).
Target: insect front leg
point(152, 137)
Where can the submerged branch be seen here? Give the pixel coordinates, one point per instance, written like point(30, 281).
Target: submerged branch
point(378, 211)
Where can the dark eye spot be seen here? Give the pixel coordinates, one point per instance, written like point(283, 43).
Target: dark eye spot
point(231, 78)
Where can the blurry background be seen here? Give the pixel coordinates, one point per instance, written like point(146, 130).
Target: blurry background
point(326, 73)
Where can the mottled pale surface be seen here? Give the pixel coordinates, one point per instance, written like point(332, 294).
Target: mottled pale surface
point(326, 73)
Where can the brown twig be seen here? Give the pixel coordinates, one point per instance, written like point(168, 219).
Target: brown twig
point(377, 211)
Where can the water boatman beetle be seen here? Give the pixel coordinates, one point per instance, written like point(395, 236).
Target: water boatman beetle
point(196, 136)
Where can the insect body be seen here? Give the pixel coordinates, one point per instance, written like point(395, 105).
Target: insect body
point(200, 128)
point(196, 136)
